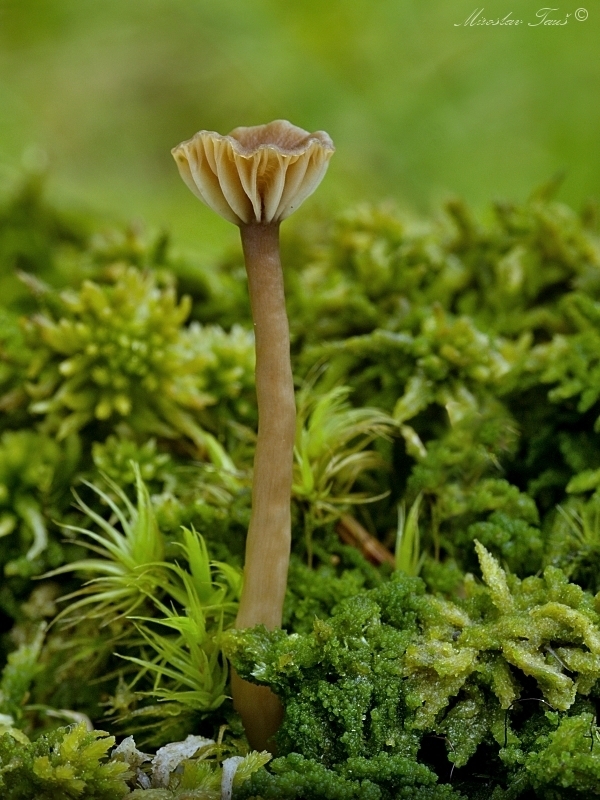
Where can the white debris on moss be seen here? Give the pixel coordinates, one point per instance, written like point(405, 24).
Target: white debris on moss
point(128, 752)
point(169, 757)
point(230, 766)
point(167, 767)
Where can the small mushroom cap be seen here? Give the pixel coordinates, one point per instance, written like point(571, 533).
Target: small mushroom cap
point(258, 174)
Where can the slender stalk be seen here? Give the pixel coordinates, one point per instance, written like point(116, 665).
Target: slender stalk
point(269, 535)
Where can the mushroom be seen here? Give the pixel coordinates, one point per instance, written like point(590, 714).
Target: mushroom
point(256, 177)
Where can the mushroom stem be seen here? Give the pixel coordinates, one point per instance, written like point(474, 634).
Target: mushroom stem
point(269, 535)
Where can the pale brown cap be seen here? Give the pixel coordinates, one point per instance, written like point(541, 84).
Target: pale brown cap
point(258, 174)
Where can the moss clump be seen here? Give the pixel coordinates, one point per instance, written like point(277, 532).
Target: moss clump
point(447, 373)
point(541, 628)
point(394, 662)
point(69, 763)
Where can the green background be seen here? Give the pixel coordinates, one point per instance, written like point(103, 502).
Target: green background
point(100, 90)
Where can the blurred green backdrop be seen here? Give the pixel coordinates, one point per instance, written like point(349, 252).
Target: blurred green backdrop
point(417, 105)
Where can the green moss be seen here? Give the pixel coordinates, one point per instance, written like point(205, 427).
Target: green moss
point(541, 628)
point(35, 472)
point(566, 759)
point(69, 763)
point(456, 366)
